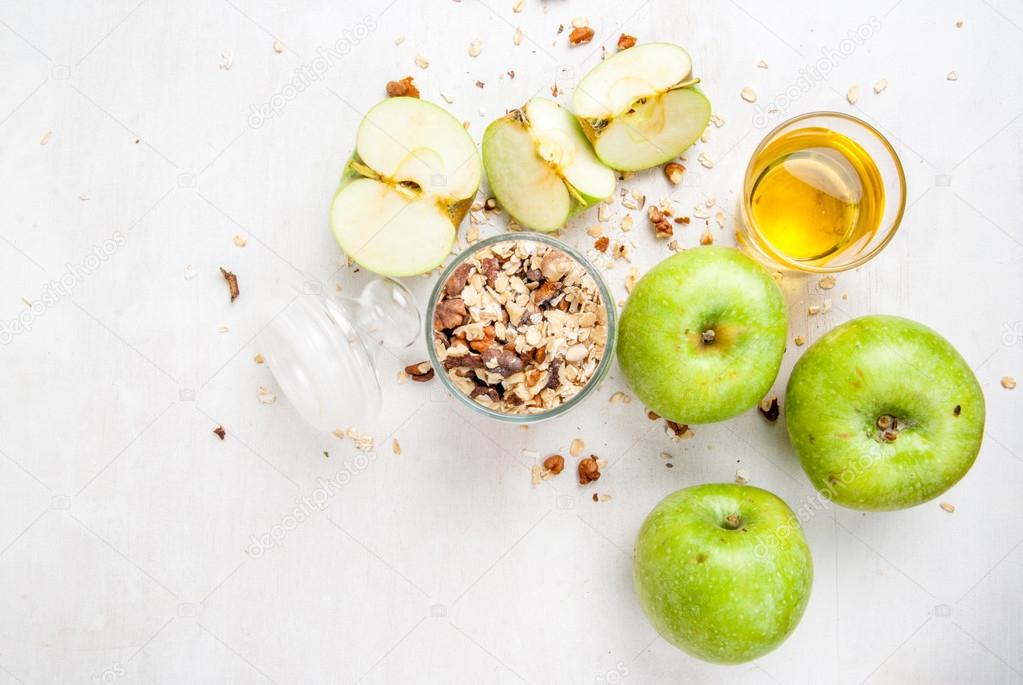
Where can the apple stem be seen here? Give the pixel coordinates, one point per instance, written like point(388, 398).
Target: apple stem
point(732, 522)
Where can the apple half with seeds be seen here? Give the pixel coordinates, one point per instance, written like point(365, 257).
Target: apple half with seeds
point(406, 188)
point(641, 108)
point(540, 166)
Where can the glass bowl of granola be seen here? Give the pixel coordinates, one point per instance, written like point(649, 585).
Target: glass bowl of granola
point(523, 327)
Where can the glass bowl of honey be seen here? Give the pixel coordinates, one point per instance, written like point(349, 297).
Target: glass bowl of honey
point(824, 192)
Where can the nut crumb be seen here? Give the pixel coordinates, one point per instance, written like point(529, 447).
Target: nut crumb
point(577, 447)
point(475, 48)
point(395, 446)
point(240, 241)
point(554, 463)
point(741, 476)
point(278, 47)
point(706, 238)
point(826, 283)
point(762, 64)
point(589, 470)
point(625, 41)
point(422, 62)
point(800, 341)
point(952, 76)
point(403, 88)
point(853, 94)
point(880, 86)
point(662, 227)
point(619, 397)
point(259, 358)
point(748, 94)
point(581, 35)
point(1008, 382)
point(948, 506)
point(421, 372)
point(705, 159)
point(265, 396)
point(46, 137)
point(518, 6)
point(398, 40)
point(517, 36)
point(226, 60)
point(769, 408)
point(674, 171)
point(232, 283)
point(220, 432)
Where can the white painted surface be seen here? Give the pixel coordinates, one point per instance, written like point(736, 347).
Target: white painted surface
point(125, 522)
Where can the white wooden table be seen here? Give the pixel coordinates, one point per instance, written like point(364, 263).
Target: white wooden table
point(130, 535)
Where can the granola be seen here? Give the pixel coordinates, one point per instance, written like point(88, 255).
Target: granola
point(520, 328)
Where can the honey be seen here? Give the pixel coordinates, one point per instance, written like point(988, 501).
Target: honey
point(814, 194)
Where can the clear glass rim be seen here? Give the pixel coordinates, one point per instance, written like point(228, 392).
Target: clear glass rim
point(605, 294)
point(795, 265)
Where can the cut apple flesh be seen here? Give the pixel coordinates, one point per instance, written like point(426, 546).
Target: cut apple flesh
point(611, 87)
point(655, 131)
point(540, 166)
point(387, 232)
point(414, 172)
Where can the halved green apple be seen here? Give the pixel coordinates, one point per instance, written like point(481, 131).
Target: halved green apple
point(641, 108)
point(541, 167)
point(406, 188)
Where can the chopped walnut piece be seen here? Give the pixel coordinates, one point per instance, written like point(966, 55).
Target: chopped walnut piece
point(589, 470)
point(232, 283)
point(581, 35)
point(449, 314)
point(404, 87)
point(769, 408)
point(554, 463)
point(707, 238)
point(456, 281)
point(674, 171)
point(420, 373)
point(625, 41)
point(601, 243)
point(220, 432)
point(662, 227)
point(678, 431)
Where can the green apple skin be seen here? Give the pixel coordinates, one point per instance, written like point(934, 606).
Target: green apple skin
point(722, 593)
point(662, 352)
point(884, 366)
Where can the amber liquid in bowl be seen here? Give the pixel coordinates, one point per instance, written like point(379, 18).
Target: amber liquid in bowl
point(815, 194)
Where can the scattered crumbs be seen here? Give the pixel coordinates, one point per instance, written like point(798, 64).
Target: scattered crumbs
point(580, 36)
point(813, 309)
point(27, 302)
point(619, 397)
point(447, 98)
point(398, 40)
point(826, 283)
point(800, 341)
point(220, 432)
point(363, 443)
point(338, 433)
point(707, 238)
point(748, 94)
point(223, 328)
point(475, 48)
point(265, 396)
point(402, 376)
point(189, 272)
point(46, 137)
point(1008, 382)
point(952, 76)
point(577, 447)
point(226, 60)
point(422, 62)
point(395, 446)
point(742, 476)
point(83, 197)
point(259, 358)
point(536, 475)
point(518, 6)
point(948, 506)
point(880, 86)
point(278, 47)
point(717, 120)
point(762, 64)
point(240, 241)
point(705, 159)
point(853, 94)
point(517, 36)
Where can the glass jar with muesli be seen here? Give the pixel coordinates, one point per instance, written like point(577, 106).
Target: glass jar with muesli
point(523, 327)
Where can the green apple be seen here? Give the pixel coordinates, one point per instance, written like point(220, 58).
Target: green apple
point(406, 189)
point(723, 572)
point(541, 167)
point(884, 413)
point(702, 335)
point(641, 107)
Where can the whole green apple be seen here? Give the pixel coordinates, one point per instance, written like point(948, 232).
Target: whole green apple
point(723, 572)
point(702, 335)
point(884, 413)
